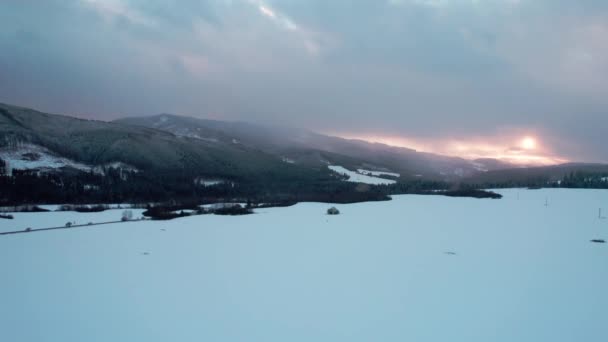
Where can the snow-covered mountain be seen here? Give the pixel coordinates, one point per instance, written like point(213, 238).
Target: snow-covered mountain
point(31, 139)
point(211, 149)
point(300, 146)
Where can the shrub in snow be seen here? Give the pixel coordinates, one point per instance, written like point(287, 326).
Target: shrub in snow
point(474, 193)
point(333, 211)
point(127, 215)
point(164, 213)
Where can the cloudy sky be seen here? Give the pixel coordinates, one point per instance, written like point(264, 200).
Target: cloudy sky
point(466, 77)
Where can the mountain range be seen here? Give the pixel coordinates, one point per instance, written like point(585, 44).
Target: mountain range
point(212, 151)
point(306, 148)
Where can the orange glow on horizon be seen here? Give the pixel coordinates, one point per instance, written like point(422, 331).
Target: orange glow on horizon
point(528, 143)
point(521, 151)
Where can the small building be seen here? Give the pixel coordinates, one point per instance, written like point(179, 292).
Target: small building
point(333, 211)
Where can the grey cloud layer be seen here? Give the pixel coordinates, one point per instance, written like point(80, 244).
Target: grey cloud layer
point(418, 68)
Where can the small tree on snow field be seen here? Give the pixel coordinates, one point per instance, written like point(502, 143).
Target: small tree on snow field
point(127, 215)
point(333, 211)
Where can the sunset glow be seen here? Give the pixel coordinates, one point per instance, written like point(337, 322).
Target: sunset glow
point(521, 151)
point(528, 143)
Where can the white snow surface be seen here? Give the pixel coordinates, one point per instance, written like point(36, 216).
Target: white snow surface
point(208, 182)
point(221, 205)
point(288, 160)
point(51, 219)
point(114, 165)
point(213, 182)
point(378, 173)
point(479, 166)
point(359, 178)
point(34, 157)
point(378, 272)
point(40, 158)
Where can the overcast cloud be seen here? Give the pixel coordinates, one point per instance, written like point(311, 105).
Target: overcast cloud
point(427, 71)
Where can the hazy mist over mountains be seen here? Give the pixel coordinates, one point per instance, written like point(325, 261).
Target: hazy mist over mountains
point(465, 78)
point(151, 142)
point(158, 141)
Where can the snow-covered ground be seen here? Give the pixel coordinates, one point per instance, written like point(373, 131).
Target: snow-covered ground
point(201, 181)
point(50, 219)
point(377, 173)
point(418, 268)
point(359, 178)
point(34, 157)
point(28, 156)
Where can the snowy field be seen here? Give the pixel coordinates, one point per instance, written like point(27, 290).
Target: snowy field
point(50, 219)
point(418, 268)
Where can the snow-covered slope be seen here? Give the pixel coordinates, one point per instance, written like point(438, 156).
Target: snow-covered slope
point(28, 157)
point(360, 178)
point(418, 268)
point(205, 182)
point(298, 144)
point(378, 173)
point(34, 157)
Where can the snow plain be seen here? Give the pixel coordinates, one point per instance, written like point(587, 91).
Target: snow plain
point(382, 271)
point(51, 219)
